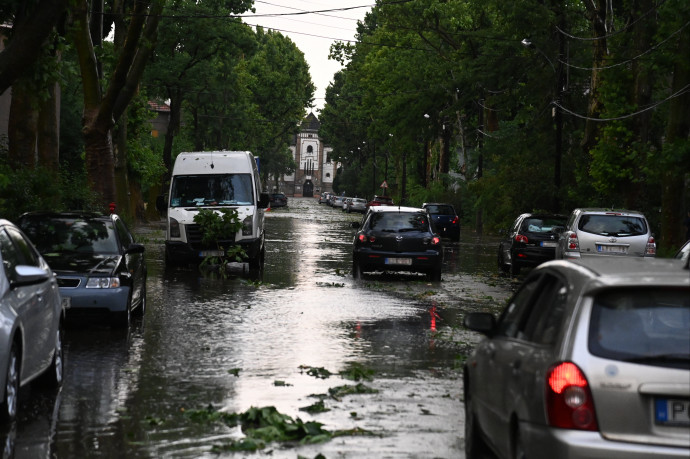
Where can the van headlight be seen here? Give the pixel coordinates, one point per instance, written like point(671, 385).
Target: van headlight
point(174, 227)
point(248, 226)
point(103, 282)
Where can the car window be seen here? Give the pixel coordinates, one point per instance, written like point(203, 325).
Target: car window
point(399, 222)
point(512, 318)
point(54, 236)
point(27, 253)
point(546, 315)
point(647, 325)
point(10, 256)
point(125, 236)
point(612, 225)
point(541, 225)
point(211, 190)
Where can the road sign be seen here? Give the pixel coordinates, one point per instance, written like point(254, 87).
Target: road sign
point(384, 185)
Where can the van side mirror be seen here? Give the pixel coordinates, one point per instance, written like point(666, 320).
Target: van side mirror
point(264, 201)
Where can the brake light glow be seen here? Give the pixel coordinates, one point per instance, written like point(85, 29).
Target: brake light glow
point(521, 238)
point(455, 220)
point(435, 240)
point(651, 247)
point(569, 402)
point(363, 238)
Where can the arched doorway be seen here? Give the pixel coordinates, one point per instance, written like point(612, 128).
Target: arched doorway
point(308, 189)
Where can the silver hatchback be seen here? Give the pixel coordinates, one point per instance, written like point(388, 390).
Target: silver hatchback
point(591, 358)
point(597, 232)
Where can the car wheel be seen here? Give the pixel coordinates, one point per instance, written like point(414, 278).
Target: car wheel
point(257, 263)
point(356, 270)
point(141, 310)
point(474, 443)
point(502, 266)
point(514, 268)
point(52, 378)
point(8, 407)
point(518, 448)
point(435, 274)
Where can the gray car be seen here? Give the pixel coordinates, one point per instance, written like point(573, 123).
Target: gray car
point(605, 232)
point(591, 358)
point(31, 318)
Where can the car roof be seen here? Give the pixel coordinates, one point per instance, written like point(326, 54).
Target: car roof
point(68, 214)
point(624, 271)
point(392, 209)
point(437, 204)
point(608, 211)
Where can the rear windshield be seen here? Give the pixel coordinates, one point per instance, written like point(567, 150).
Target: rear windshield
point(399, 221)
point(211, 190)
point(53, 236)
point(649, 326)
point(613, 225)
point(440, 210)
point(542, 225)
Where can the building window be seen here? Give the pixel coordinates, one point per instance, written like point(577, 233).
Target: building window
point(328, 175)
point(310, 149)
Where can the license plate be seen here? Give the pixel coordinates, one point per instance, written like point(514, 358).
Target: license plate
point(611, 248)
point(66, 302)
point(211, 253)
point(399, 261)
point(670, 411)
point(549, 244)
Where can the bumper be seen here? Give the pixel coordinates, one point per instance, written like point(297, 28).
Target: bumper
point(95, 299)
point(423, 262)
point(547, 443)
point(182, 252)
point(532, 256)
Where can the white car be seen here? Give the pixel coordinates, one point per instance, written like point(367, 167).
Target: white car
point(605, 232)
point(31, 319)
point(591, 358)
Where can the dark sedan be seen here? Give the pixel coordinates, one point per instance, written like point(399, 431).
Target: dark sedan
point(395, 238)
point(531, 240)
point(445, 219)
point(278, 200)
point(99, 266)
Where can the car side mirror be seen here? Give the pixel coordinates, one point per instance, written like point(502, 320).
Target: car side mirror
point(28, 275)
point(264, 201)
point(135, 248)
point(481, 322)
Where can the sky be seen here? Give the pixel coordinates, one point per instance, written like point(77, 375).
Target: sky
point(313, 33)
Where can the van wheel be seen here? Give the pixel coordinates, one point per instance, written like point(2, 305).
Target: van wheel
point(257, 263)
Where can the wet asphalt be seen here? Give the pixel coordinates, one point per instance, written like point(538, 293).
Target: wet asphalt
point(236, 341)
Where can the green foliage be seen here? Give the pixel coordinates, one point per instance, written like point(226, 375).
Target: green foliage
point(219, 226)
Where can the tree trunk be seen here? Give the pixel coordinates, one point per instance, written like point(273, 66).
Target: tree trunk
point(49, 131)
point(596, 13)
point(22, 127)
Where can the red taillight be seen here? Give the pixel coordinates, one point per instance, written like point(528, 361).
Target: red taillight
point(521, 238)
point(361, 237)
point(455, 221)
point(569, 403)
point(651, 247)
point(573, 243)
point(435, 240)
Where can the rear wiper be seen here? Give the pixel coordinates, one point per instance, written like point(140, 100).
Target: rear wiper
point(665, 358)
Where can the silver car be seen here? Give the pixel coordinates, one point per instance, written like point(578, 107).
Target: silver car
point(31, 317)
point(357, 205)
point(606, 232)
point(591, 358)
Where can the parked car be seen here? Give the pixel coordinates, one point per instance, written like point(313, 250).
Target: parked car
point(357, 205)
point(444, 218)
point(585, 361)
point(530, 241)
point(31, 320)
point(99, 266)
point(380, 201)
point(278, 200)
point(597, 232)
point(323, 197)
point(397, 239)
point(346, 204)
point(337, 202)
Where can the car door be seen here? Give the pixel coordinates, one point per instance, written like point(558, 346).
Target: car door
point(33, 306)
point(493, 359)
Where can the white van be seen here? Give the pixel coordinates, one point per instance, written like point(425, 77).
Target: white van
point(214, 180)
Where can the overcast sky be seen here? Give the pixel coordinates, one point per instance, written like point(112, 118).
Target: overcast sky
point(313, 33)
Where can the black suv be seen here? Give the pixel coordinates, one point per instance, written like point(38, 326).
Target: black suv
point(393, 238)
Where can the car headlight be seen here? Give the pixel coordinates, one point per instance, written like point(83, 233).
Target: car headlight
point(248, 225)
point(103, 282)
point(174, 228)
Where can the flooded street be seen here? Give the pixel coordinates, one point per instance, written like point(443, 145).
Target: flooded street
point(229, 344)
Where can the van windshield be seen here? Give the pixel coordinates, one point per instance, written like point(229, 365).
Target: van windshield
point(211, 190)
